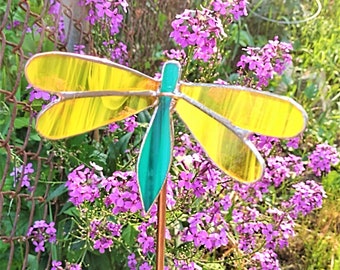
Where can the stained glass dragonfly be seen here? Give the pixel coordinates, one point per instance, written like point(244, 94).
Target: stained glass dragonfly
point(94, 92)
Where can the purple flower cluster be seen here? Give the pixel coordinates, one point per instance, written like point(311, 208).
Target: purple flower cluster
point(285, 226)
point(13, 25)
point(178, 55)
point(55, 11)
point(268, 260)
point(322, 158)
point(102, 232)
point(145, 266)
point(237, 8)
point(83, 185)
point(113, 127)
point(119, 54)
point(79, 48)
point(123, 192)
point(39, 94)
point(129, 125)
point(293, 142)
point(207, 229)
point(146, 242)
point(252, 228)
point(117, 51)
point(106, 13)
point(200, 29)
point(278, 170)
point(229, 207)
point(307, 197)
point(40, 233)
point(183, 265)
point(265, 62)
point(264, 144)
point(281, 168)
point(22, 174)
point(132, 262)
point(57, 265)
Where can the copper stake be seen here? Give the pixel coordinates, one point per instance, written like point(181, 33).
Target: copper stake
point(161, 229)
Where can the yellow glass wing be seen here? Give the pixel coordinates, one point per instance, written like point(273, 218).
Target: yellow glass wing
point(259, 112)
point(66, 74)
point(69, 117)
point(232, 153)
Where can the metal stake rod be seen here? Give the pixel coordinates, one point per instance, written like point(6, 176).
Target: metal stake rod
point(161, 229)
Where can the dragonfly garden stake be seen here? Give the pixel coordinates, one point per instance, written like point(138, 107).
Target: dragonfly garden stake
point(94, 92)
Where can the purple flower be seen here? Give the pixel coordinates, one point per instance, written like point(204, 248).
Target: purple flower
point(178, 55)
point(74, 266)
point(183, 265)
point(264, 62)
point(307, 197)
point(83, 185)
point(39, 246)
point(123, 192)
point(293, 142)
point(79, 48)
point(170, 200)
point(119, 54)
point(268, 259)
point(102, 233)
point(145, 266)
point(322, 158)
point(22, 174)
point(132, 262)
point(106, 14)
point(114, 228)
point(235, 7)
point(198, 28)
point(220, 6)
point(113, 127)
point(146, 242)
point(206, 229)
point(94, 228)
point(185, 179)
point(264, 144)
point(130, 123)
point(13, 25)
point(56, 265)
point(38, 94)
point(55, 11)
point(102, 244)
point(271, 234)
point(239, 9)
point(103, 8)
point(40, 233)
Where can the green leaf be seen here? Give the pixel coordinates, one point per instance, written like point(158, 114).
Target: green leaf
point(161, 20)
point(33, 262)
point(35, 137)
point(61, 189)
point(21, 122)
point(119, 148)
point(129, 234)
point(311, 91)
point(331, 182)
point(246, 39)
point(72, 211)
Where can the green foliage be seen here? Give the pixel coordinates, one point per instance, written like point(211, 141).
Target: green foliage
point(316, 79)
